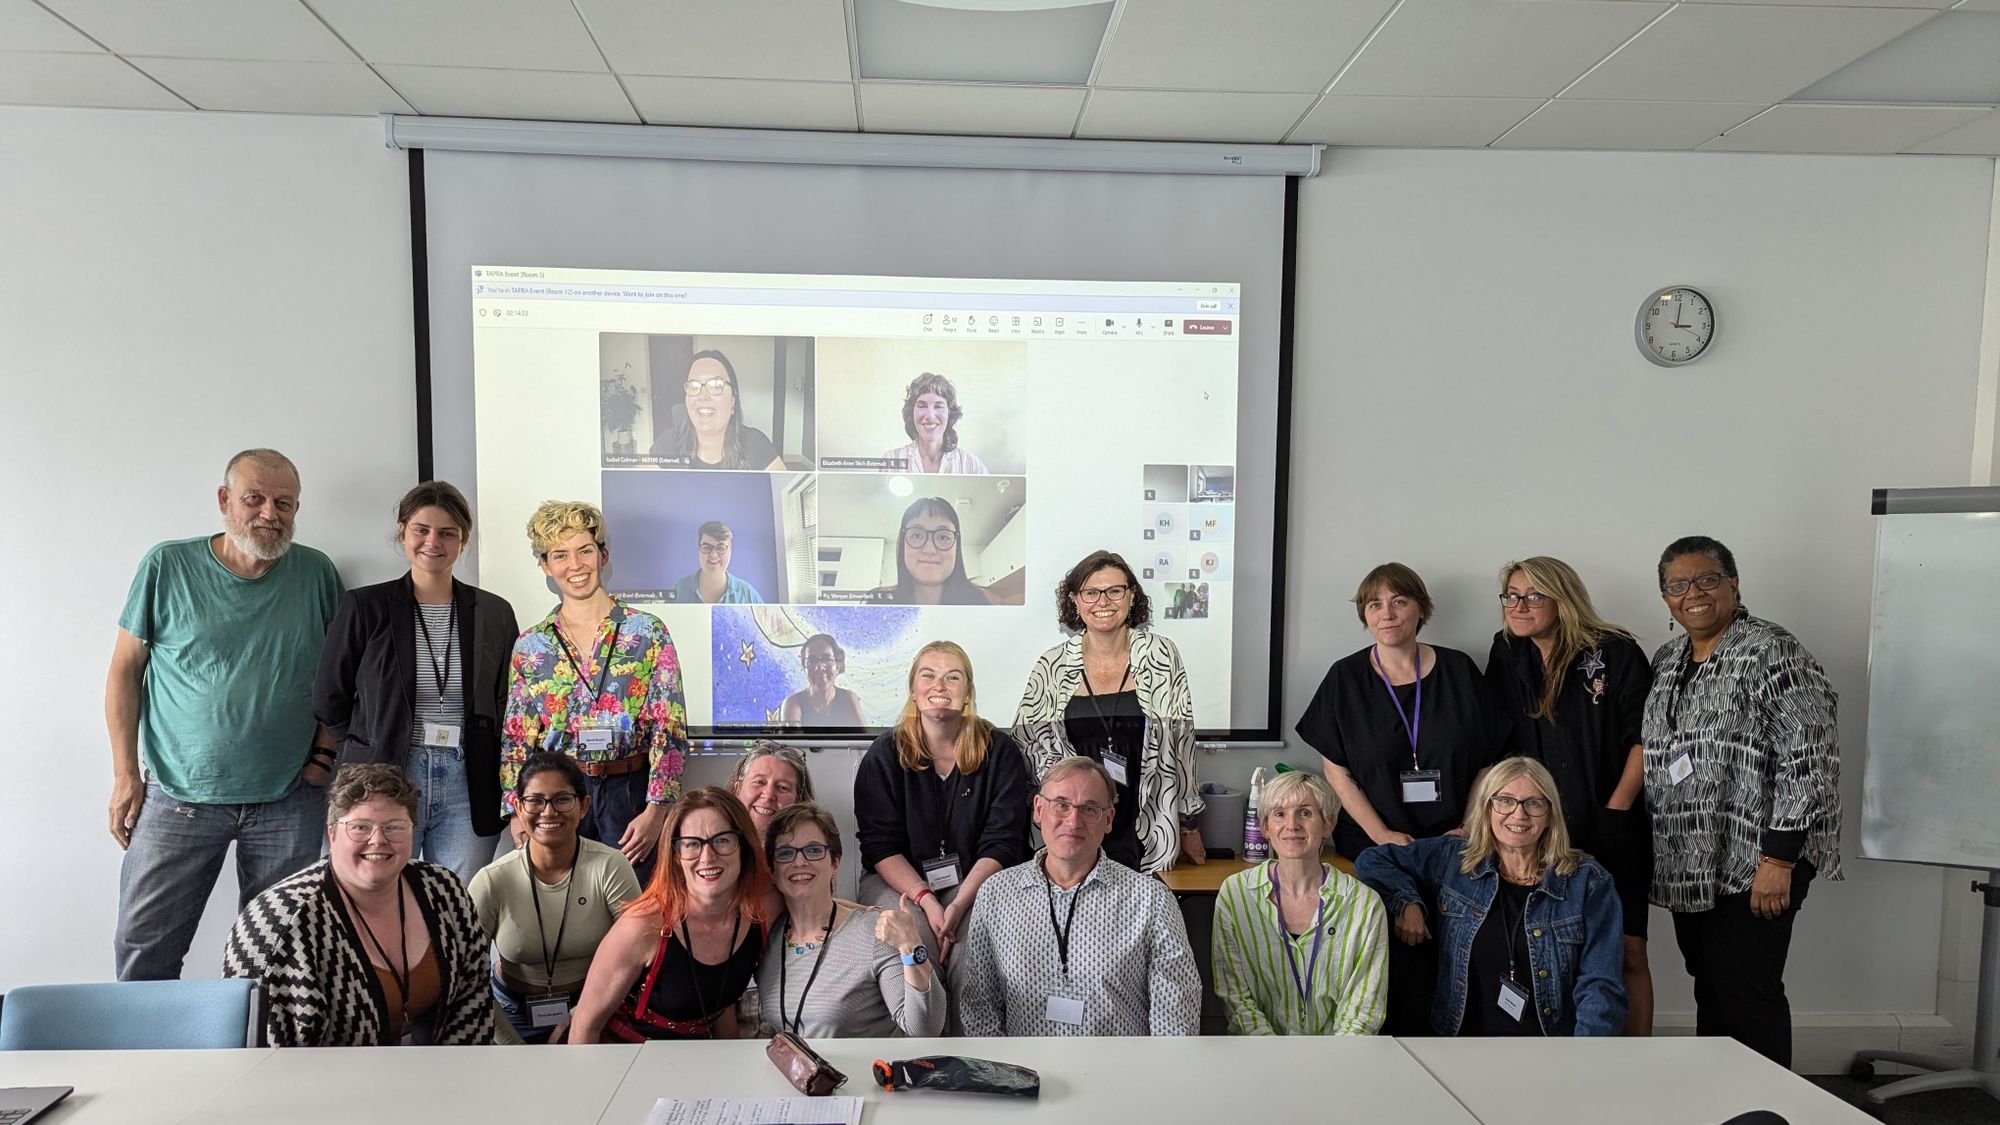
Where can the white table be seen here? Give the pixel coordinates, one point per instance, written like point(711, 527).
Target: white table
point(1223, 1081)
point(1668, 1080)
point(122, 1087)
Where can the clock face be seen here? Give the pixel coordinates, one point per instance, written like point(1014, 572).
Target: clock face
point(1675, 326)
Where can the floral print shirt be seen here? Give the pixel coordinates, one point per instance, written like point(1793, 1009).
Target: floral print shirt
point(629, 684)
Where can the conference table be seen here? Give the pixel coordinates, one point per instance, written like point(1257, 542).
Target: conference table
point(1227, 1081)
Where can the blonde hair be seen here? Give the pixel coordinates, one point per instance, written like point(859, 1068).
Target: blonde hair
point(1578, 626)
point(557, 520)
point(1297, 787)
point(974, 736)
point(1552, 850)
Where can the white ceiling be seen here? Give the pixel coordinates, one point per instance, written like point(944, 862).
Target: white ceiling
point(1865, 76)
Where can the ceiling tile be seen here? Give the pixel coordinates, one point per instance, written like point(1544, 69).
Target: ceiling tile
point(1255, 45)
point(1411, 122)
point(801, 39)
point(1933, 5)
point(1953, 58)
point(743, 103)
point(1009, 111)
point(1740, 53)
point(1491, 48)
point(521, 34)
point(27, 78)
point(1187, 115)
point(538, 95)
point(1980, 6)
point(1978, 137)
point(25, 26)
point(276, 87)
point(1842, 128)
point(1628, 126)
point(207, 29)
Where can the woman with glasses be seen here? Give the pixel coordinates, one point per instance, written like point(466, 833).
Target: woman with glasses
point(930, 416)
point(940, 801)
point(930, 558)
point(547, 904)
point(680, 955)
point(1529, 926)
point(838, 968)
point(367, 947)
point(712, 434)
point(823, 702)
point(1116, 693)
point(1582, 722)
point(1743, 780)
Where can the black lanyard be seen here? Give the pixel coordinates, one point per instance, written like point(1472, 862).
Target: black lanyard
point(402, 977)
point(1110, 732)
point(603, 665)
point(694, 966)
point(441, 667)
point(794, 1019)
point(535, 896)
point(1062, 929)
point(1508, 928)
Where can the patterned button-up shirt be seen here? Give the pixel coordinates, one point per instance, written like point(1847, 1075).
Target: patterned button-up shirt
point(1129, 961)
point(549, 699)
point(1269, 991)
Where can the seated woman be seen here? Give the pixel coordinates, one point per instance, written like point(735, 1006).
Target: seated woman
point(1531, 929)
point(1296, 911)
point(930, 416)
point(838, 968)
point(930, 564)
point(823, 702)
point(366, 948)
point(770, 777)
point(940, 800)
point(548, 904)
point(681, 954)
point(713, 435)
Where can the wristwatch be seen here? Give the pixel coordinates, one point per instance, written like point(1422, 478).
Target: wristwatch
point(916, 956)
point(1190, 823)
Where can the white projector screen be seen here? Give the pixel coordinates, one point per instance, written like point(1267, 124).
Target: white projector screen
point(1111, 343)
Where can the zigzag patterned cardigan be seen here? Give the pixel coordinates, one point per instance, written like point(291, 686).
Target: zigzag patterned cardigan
point(321, 991)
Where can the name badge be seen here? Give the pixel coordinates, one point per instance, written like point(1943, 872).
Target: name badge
point(1513, 999)
point(548, 1011)
point(1680, 769)
point(941, 872)
point(1114, 764)
point(1064, 1010)
point(1420, 786)
point(441, 735)
point(596, 740)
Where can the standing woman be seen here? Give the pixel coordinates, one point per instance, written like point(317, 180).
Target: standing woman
point(940, 801)
point(1743, 777)
point(713, 435)
point(414, 674)
point(1116, 693)
point(1405, 730)
point(1583, 724)
point(679, 957)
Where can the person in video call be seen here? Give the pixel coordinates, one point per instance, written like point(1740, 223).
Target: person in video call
point(713, 435)
point(823, 702)
point(712, 583)
point(930, 416)
point(930, 564)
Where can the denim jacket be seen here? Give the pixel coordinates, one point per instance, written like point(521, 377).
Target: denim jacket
point(1574, 923)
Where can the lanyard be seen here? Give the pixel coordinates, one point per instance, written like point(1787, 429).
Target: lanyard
point(1305, 983)
point(1413, 719)
point(1690, 671)
point(402, 976)
point(952, 785)
point(694, 966)
point(1110, 734)
point(603, 665)
point(535, 896)
point(441, 667)
point(1509, 928)
point(1062, 930)
point(794, 1019)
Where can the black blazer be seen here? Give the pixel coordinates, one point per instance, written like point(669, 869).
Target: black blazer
point(368, 671)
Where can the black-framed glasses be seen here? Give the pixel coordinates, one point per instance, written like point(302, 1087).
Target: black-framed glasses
point(361, 831)
point(714, 550)
point(710, 387)
point(1091, 595)
point(812, 853)
point(561, 802)
point(1089, 810)
point(1679, 586)
point(1535, 807)
point(722, 843)
point(822, 662)
point(944, 538)
point(1536, 600)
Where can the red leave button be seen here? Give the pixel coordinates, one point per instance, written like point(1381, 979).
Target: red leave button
point(1207, 327)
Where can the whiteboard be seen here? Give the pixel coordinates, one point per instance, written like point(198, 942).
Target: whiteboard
point(1931, 791)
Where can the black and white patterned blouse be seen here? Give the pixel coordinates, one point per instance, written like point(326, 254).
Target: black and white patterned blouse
point(1742, 761)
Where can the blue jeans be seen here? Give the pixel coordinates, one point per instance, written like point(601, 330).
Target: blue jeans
point(176, 855)
point(444, 813)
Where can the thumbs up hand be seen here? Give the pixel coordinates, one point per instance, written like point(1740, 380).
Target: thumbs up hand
point(898, 928)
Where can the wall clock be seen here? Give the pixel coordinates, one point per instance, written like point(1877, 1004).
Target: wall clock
point(1675, 326)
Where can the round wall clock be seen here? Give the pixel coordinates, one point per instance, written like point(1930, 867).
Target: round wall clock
point(1675, 326)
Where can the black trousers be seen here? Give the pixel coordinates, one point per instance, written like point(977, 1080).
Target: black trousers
point(614, 802)
point(1413, 980)
point(1737, 961)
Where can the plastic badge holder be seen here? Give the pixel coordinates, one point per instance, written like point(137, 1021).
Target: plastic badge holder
point(956, 1072)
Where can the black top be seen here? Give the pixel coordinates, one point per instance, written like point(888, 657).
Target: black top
point(758, 451)
point(1353, 724)
point(1492, 951)
point(721, 986)
point(1596, 724)
point(364, 692)
point(1113, 719)
point(912, 814)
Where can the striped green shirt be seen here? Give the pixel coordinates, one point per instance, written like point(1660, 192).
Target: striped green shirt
point(1349, 986)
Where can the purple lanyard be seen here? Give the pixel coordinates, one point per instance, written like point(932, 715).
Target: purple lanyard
point(1304, 984)
point(1413, 719)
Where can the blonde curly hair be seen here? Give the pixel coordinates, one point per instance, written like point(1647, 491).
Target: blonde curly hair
point(557, 520)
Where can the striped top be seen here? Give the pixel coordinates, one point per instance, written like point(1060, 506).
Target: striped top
point(437, 644)
point(1349, 986)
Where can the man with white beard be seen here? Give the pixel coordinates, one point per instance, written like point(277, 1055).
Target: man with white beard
point(211, 681)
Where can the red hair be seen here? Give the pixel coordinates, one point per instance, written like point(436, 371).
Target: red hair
point(667, 894)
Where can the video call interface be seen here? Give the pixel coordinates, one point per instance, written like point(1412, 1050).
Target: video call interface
point(807, 478)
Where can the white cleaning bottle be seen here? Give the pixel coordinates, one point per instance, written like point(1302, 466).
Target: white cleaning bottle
point(1255, 849)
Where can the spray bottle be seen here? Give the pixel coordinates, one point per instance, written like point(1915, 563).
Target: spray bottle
point(1255, 850)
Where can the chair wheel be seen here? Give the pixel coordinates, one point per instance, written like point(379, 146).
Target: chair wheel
point(1861, 1070)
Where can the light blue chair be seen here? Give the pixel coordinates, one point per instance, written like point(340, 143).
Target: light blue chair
point(132, 1015)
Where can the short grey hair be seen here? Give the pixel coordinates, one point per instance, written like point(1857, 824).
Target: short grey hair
point(790, 755)
point(269, 458)
point(1077, 763)
point(1296, 787)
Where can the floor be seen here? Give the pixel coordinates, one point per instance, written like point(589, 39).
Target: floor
point(1946, 1107)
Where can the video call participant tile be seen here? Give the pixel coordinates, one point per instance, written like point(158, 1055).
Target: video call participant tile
point(915, 540)
point(706, 401)
point(722, 542)
point(954, 407)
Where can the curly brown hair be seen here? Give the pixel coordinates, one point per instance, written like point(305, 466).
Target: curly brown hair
point(362, 782)
point(1066, 591)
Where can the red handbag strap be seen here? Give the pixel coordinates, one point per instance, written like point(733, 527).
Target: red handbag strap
point(642, 1009)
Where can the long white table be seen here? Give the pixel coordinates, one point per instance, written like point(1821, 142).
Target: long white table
point(122, 1087)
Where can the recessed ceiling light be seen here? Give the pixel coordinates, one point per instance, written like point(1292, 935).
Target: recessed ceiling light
point(1038, 42)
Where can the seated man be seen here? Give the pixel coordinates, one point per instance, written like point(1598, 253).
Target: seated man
point(713, 583)
point(1071, 943)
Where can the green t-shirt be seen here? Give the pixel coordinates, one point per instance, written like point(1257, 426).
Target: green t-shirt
point(226, 717)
